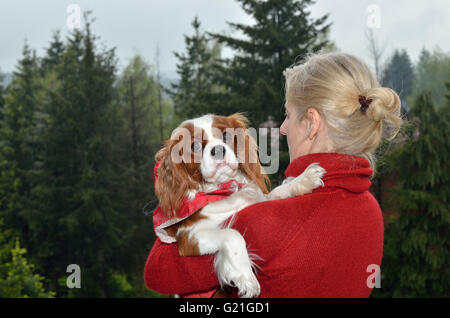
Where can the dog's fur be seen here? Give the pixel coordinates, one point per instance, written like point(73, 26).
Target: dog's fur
point(194, 171)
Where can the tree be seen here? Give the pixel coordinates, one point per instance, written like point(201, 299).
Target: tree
point(18, 142)
point(432, 72)
point(398, 74)
point(53, 53)
point(376, 52)
point(17, 275)
point(73, 201)
point(416, 254)
point(138, 139)
point(197, 92)
point(2, 99)
point(282, 32)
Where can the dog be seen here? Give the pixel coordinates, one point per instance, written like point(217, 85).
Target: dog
point(206, 172)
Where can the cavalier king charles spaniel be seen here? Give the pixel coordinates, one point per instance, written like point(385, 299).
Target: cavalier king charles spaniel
point(206, 172)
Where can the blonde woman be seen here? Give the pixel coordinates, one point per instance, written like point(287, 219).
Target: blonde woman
point(328, 243)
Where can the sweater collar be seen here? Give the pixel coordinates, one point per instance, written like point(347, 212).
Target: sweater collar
point(342, 171)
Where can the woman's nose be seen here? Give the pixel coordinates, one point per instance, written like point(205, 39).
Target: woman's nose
point(283, 128)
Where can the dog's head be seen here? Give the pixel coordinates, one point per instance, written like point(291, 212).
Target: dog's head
point(208, 150)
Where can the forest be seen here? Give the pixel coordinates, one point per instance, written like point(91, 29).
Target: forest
point(78, 138)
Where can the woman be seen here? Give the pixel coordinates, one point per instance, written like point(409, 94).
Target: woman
point(328, 243)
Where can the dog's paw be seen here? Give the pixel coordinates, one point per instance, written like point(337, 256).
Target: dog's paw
point(233, 266)
point(247, 285)
point(310, 179)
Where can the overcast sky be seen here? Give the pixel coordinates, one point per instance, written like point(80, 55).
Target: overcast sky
point(139, 26)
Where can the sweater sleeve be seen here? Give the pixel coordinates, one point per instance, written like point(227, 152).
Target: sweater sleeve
point(168, 273)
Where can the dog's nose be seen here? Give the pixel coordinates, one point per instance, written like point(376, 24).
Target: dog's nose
point(218, 152)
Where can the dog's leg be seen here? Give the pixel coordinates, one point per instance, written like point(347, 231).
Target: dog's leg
point(232, 263)
point(310, 179)
point(223, 209)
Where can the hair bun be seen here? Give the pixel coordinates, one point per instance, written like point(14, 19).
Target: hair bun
point(385, 108)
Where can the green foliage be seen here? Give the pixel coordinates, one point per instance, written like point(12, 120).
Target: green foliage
point(431, 73)
point(138, 140)
point(416, 254)
point(18, 141)
point(399, 75)
point(73, 186)
point(282, 32)
point(198, 91)
point(77, 145)
point(17, 276)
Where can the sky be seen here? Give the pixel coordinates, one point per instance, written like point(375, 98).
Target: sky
point(140, 26)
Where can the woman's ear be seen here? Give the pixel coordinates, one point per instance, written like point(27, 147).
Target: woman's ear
point(313, 121)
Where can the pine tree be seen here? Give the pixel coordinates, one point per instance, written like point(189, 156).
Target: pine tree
point(416, 254)
point(138, 140)
point(399, 75)
point(18, 143)
point(197, 93)
point(17, 275)
point(2, 99)
point(282, 32)
point(432, 72)
point(76, 218)
point(53, 53)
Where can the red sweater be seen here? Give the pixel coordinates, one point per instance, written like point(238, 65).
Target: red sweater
point(314, 245)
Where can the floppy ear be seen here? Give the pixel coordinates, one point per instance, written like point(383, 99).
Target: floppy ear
point(171, 185)
point(248, 155)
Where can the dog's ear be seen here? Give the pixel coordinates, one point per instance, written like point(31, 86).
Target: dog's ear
point(172, 182)
point(247, 152)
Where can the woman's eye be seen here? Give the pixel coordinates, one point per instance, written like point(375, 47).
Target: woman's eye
point(226, 137)
point(196, 146)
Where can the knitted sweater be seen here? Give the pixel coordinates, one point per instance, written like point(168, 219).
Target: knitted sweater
point(321, 244)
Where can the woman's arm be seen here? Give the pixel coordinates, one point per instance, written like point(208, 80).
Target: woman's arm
point(168, 273)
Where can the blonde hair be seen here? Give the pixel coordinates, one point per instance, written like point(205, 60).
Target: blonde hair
point(332, 84)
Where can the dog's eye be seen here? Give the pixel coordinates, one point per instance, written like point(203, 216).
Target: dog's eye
point(196, 146)
point(226, 137)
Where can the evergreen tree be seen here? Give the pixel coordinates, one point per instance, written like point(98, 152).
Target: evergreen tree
point(197, 93)
point(138, 139)
point(416, 255)
point(75, 211)
point(399, 75)
point(53, 53)
point(282, 32)
point(2, 99)
point(18, 143)
point(17, 275)
point(432, 72)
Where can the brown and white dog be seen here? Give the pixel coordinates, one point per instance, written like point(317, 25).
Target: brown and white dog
point(202, 154)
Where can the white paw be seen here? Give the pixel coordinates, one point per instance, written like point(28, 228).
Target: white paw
point(247, 285)
point(234, 268)
point(311, 178)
